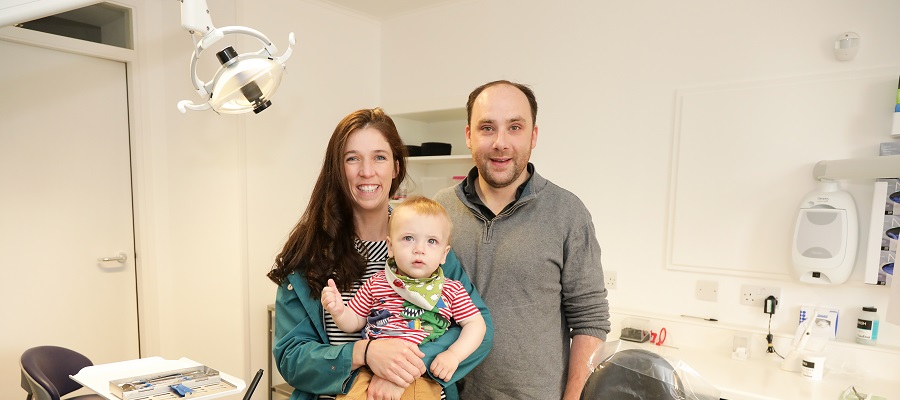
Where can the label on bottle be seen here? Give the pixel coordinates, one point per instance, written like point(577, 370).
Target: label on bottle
point(866, 330)
point(864, 334)
point(864, 324)
point(812, 367)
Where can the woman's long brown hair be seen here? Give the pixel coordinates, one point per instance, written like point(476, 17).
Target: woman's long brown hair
point(322, 244)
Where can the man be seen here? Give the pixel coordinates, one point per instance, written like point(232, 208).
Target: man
point(529, 247)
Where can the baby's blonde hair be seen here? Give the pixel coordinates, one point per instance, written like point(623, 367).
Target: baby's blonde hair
point(422, 205)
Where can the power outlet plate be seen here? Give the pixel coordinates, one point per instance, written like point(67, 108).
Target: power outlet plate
point(610, 279)
point(707, 290)
point(755, 295)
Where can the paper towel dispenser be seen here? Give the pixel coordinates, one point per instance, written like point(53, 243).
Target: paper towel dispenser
point(825, 236)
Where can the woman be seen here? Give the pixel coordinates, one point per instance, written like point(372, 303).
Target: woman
point(341, 236)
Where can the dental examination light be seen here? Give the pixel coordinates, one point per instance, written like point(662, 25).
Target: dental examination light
point(244, 82)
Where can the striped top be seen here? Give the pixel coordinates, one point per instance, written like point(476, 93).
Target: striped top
point(376, 293)
point(376, 255)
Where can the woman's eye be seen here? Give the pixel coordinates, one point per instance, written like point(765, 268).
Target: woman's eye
point(350, 159)
point(381, 158)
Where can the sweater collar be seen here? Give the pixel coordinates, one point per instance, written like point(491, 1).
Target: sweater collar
point(525, 190)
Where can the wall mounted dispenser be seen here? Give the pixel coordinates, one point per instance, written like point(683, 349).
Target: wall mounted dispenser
point(826, 235)
point(826, 230)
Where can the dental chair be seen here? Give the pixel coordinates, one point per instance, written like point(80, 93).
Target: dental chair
point(623, 373)
point(46, 370)
point(634, 374)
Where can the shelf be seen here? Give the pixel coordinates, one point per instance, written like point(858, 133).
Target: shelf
point(283, 389)
point(426, 175)
point(438, 159)
point(434, 115)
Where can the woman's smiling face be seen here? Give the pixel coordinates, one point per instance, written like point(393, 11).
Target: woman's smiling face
point(370, 168)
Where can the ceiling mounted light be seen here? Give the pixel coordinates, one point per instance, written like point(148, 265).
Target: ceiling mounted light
point(244, 82)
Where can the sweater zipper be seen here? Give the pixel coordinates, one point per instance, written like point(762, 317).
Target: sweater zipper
point(487, 232)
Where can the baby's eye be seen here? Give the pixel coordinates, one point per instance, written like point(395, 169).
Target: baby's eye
point(432, 241)
point(408, 238)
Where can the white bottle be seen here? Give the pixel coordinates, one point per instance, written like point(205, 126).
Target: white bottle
point(867, 326)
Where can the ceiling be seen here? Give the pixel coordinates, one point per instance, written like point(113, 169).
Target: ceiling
point(384, 9)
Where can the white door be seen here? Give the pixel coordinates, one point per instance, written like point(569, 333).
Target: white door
point(65, 201)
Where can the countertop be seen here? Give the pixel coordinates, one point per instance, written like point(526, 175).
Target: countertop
point(706, 348)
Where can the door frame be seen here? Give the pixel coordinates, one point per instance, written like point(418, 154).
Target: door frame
point(140, 146)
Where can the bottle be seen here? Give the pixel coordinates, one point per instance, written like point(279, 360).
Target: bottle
point(867, 326)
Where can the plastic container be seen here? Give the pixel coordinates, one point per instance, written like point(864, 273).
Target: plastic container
point(740, 347)
point(812, 366)
point(867, 326)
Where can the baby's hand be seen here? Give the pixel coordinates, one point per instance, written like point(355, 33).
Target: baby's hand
point(444, 365)
point(331, 299)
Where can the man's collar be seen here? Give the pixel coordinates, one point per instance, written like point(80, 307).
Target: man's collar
point(472, 180)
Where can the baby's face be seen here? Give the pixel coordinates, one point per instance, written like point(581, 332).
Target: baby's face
point(418, 243)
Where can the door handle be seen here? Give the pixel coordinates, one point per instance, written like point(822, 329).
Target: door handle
point(122, 257)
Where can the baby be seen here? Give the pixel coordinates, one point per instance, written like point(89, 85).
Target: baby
point(410, 299)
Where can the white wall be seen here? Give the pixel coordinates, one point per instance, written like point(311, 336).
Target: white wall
point(335, 70)
point(607, 75)
point(217, 195)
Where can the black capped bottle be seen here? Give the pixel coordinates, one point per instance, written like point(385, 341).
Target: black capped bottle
point(867, 326)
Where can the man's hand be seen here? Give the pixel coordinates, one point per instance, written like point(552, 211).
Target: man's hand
point(396, 360)
point(444, 365)
point(383, 389)
point(331, 299)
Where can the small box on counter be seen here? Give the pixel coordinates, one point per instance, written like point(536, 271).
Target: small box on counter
point(826, 319)
point(635, 330)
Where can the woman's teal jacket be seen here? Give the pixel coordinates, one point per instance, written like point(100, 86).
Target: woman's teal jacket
point(312, 366)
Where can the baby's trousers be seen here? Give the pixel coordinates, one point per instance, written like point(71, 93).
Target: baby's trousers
point(423, 388)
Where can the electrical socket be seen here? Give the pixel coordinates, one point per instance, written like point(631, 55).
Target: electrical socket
point(755, 295)
point(610, 279)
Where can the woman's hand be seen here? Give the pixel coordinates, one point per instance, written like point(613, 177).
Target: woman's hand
point(396, 360)
point(383, 389)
